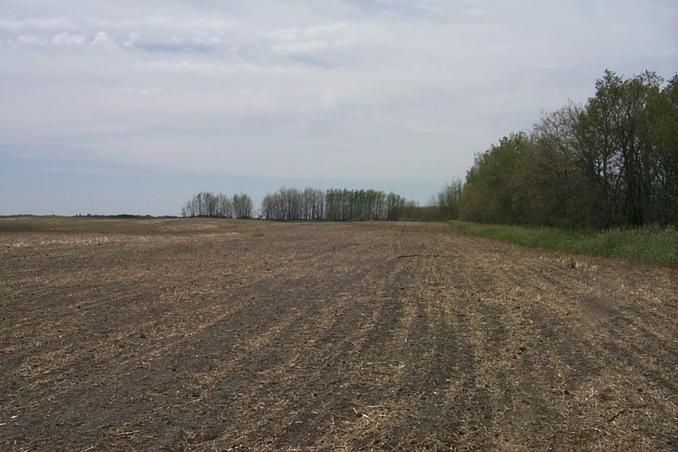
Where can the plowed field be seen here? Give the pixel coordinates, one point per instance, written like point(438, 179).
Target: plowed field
point(203, 334)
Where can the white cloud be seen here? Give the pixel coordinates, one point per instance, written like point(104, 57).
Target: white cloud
point(68, 39)
point(339, 88)
point(41, 23)
point(316, 39)
point(102, 40)
point(207, 68)
point(131, 39)
point(30, 40)
point(297, 47)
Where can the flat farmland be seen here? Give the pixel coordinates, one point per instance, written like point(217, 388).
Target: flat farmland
point(223, 334)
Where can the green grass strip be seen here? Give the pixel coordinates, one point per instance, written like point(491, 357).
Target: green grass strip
point(652, 245)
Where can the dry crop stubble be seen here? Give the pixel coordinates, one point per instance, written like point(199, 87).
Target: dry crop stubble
point(201, 334)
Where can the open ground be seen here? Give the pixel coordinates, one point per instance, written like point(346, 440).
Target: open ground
point(218, 334)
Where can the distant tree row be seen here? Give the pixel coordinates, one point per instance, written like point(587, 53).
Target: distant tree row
point(207, 204)
point(447, 202)
point(293, 204)
point(612, 162)
point(347, 205)
point(332, 205)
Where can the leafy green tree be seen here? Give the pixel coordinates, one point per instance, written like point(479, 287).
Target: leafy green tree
point(489, 190)
point(611, 162)
point(242, 206)
point(448, 200)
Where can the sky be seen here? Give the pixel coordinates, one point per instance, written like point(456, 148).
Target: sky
point(133, 106)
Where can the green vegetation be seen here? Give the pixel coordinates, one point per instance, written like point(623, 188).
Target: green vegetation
point(211, 205)
point(312, 204)
point(333, 205)
point(610, 163)
point(605, 172)
point(445, 205)
point(653, 245)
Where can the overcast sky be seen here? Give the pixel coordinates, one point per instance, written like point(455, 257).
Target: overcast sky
point(131, 106)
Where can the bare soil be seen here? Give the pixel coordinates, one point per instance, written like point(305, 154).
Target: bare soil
point(208, 334)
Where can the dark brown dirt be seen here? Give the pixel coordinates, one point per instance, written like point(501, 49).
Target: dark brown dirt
point(207, 334)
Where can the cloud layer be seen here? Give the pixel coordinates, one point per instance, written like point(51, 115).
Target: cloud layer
point(362, 90)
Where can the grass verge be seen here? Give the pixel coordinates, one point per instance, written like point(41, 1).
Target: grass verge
point(653, 245)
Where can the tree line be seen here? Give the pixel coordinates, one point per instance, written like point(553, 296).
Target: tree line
point(294, 204)
point(310, 204)
point(208, 204)
point(611, 162)
point(332, 205)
